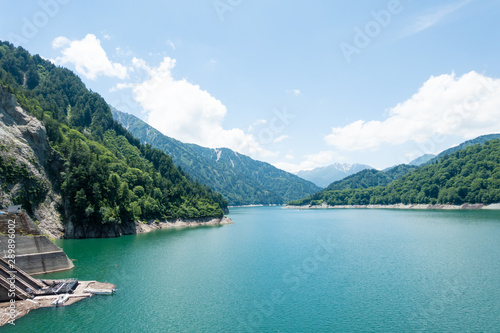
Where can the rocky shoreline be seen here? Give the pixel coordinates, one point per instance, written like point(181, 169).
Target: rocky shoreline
point(401, 206)
point(141, 228)
point(132, 228)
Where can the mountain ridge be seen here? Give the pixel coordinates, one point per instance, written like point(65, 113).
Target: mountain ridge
point(478, 140)
point(241, 179)
point(422, 159)
point(470, 175)
point(103, 178)
point(371, 177)
point(324, 176)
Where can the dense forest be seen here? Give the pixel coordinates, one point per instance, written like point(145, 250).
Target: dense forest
point(370, 177)
point(479, 140)
point(102, 172)
point(470, 175)
point(242, 180)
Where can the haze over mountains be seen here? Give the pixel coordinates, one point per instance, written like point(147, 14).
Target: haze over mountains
point(324, 176)
point(422, 159)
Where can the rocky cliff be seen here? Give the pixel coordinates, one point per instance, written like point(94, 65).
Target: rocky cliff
point(25, 150)
point(26, 160)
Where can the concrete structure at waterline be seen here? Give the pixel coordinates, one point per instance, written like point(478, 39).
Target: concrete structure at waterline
point(25, 251)
point(34, 253)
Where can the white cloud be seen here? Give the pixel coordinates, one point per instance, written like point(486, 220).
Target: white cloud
point(171, 44)
point(184, 111)
point(124, 53)
point(311, 161)
point(437, 15)
point(296, 92)
point(257, 123)
point(121, 86)
point(88, 57)
point(281, 138)
point(445, 105)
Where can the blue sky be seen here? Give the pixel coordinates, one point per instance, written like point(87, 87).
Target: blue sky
point(293, 83)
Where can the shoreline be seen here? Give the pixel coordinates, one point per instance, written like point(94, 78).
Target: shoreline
point(23, 307)
point(137, 227)
point(142, 228)
point(256, 205)
point(403, 206)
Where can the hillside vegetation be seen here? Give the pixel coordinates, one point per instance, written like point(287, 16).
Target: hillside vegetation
point(241, 179)
point(479, 140)
point(470, 175)
point(369, 178)
point(103, 174)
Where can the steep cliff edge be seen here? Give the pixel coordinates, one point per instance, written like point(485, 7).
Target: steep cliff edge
point(25, 163)
point(24, 155)
point(76, 171)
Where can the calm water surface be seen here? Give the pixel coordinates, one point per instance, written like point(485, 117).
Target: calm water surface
point(278, 270)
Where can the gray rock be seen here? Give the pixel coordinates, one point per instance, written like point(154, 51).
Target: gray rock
point(24, 137)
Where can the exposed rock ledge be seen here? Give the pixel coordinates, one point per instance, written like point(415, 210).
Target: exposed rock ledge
point(400, 206)
point(147, 227)
point(24, 138)
point(132, 228)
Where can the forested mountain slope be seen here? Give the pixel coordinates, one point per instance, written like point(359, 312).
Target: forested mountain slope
point(105, 177)
point(479, 140)
point(241, 179)
point(370, 178)
point(470, 175)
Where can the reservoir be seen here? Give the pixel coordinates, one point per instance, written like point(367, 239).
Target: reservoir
point(281, 270)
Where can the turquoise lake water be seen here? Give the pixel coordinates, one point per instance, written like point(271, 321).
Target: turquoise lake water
point(278, 270)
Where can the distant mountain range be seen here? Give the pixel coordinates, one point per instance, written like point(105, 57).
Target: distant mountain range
point(239, 178)
point(422, 159)
point(467, 173)
point(371, 177)
point(324, 176)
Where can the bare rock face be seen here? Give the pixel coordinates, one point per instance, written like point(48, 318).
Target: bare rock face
point(24, 138)
point(48, 217)
point(97, 230)
point(18, 126)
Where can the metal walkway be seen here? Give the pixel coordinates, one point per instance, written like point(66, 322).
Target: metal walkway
point(24, 286)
